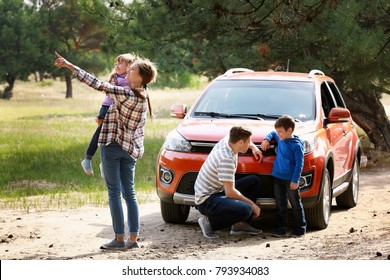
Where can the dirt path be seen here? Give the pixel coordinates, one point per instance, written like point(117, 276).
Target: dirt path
point(359, 233)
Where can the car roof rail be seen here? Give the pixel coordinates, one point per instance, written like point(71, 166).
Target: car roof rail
point(237, 70)
point(314, 72)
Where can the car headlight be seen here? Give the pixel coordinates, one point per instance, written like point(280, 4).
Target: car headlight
point(175, 142)
point(310, 144)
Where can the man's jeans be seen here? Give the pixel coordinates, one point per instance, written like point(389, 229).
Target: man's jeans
point(282, 191)
point(119, 169)
point(223, 211)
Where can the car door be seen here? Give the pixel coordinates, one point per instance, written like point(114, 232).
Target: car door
point(339, 134)
point(347, 126)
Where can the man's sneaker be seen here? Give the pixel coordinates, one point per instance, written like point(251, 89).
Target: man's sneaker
point(244, 228)
point(297, 233)
point(114, 245)
point(101, 170)
point(279, 233)
point(206, 227)
point(87, 166)
point(130, 245)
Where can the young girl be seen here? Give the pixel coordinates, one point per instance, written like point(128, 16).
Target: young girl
point(117, 77)
point(121, 141)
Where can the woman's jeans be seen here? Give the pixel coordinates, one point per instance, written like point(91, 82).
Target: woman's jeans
point(282, 191)
point(223, 211)
point(119, 169)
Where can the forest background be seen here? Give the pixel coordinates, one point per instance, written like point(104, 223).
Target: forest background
point(192, 42)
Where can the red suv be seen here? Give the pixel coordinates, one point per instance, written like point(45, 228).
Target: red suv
point(333, 154)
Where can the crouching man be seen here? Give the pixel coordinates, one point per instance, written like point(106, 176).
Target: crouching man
point(222, 201)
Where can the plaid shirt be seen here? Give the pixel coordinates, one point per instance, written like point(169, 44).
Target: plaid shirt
point(125, 120)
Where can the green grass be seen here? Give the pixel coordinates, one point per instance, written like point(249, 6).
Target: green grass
point(43, 138)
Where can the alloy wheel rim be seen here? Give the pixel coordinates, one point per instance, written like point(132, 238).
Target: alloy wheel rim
point(326, 198)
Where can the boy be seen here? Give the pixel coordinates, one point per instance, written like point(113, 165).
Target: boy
point(221, 200)
point(286, 171)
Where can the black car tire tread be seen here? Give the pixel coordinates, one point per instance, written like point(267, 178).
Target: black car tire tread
point(174, 213)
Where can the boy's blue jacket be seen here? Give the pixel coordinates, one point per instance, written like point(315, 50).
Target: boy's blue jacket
point(289, 157)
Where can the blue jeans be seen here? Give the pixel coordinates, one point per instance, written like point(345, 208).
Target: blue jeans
point(119, 169)
point(282, 191)
point(223, 211)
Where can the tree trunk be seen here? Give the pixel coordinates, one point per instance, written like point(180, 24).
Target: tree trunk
point(368, 112)
point(68, 81)
point(7, 94)
point(41, 76)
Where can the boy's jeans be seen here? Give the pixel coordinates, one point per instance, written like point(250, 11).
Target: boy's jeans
point(119, 169)
point(223, 211)
point(282, 191)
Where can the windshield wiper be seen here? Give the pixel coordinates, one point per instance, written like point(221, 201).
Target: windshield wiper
point(274, 117)
point(224, 115)
point(267, 116)
point(260, 117)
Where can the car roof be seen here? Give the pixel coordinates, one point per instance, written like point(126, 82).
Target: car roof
point(247, 74)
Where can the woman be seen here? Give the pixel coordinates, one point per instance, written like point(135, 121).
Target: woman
point(121, 141)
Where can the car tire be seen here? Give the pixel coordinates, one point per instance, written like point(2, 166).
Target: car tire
point(174, 213)
point(349, 198)
point(318, 216)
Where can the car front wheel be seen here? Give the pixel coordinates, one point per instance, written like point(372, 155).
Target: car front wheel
point(174, 213)
point(318, 216)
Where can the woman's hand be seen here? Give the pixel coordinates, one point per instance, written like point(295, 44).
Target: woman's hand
point(62, 62)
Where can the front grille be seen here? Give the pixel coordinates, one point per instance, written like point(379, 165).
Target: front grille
point(206, 147)
point(187, 182)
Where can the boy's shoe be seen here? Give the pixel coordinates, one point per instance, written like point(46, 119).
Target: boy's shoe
point(114, 245)
point(244, 228)
point(130, 245)
point(279, 233)
point(101, 170)
point(206, 228)
point(297, 233)
point(87, 166)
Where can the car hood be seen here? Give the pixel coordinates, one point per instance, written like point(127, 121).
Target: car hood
point(213, 129)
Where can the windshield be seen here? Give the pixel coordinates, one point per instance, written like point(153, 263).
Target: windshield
point(258, 98)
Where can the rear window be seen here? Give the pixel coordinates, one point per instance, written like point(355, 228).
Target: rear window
point(259, 97)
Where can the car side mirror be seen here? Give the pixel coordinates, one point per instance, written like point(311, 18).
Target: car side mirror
point(178, 111)
point(338, 115)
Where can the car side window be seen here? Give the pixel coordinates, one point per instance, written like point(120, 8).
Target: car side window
point(337, 96)
point(327, 99)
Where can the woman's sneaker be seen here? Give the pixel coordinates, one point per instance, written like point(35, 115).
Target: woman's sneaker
point(131, 245)
point(114, 245)
point(87, 166)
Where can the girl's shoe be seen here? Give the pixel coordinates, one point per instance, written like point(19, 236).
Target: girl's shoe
point(87, 166)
